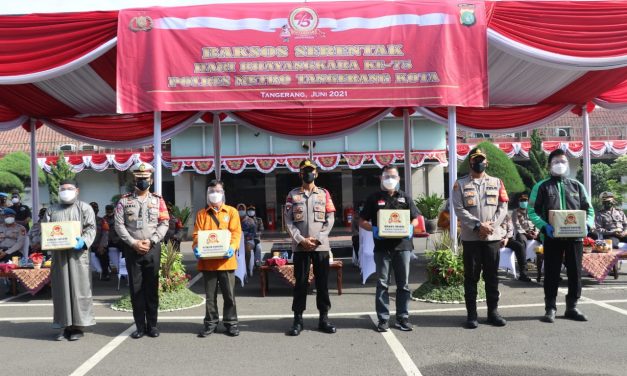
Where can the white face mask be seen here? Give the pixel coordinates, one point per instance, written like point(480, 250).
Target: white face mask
point(241, 213)
point(214, 197)
point(15, 200)
point(9, 220)
point(559, 168)
point(389, 184)
point(251, 213)
point(67, 196)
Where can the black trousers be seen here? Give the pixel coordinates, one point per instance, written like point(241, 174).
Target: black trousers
point(8, 257)
point(481, 256)
point(143, 273)
point(520, 252)
point(104, 260)
point(355, 239)
point(556, 252)
point(320, 261)
point(225, 280)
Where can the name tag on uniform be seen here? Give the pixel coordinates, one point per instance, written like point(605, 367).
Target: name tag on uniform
point(139, 224)
point(401, 200)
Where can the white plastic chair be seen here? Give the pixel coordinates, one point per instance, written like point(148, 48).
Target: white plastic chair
point(240, 272)
point(122, 272)
point(114, 257)
point(366, 255)
point(508, 261)
point(530, 251)
point(94, 264)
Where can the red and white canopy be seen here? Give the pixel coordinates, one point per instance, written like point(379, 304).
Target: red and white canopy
point(543, 59)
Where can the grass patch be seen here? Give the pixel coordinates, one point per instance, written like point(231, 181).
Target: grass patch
point(168, 301)
point(445, 294)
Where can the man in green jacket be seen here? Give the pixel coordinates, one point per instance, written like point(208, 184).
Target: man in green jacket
point(559, 192)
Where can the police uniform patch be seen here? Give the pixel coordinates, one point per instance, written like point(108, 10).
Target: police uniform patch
point(298, 217)
point(492, 200)
point(401, 200)
point(470, 202)
point(319, 216)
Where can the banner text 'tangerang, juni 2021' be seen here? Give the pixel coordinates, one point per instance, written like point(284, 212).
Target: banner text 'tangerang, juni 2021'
point(296, 55)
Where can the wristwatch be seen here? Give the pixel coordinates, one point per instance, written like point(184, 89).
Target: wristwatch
point(477, 227)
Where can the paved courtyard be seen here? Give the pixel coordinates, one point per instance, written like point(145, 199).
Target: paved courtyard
point(437, 346)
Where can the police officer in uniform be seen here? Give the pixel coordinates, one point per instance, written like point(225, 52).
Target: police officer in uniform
point(309, 217)
point(22, 212)
point(518, 247)
point(12, 236)
point(141, 221)
point(610, 222)
point(480, 202)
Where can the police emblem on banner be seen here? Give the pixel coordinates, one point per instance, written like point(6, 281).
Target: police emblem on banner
point(467, 14)
point(141, 23)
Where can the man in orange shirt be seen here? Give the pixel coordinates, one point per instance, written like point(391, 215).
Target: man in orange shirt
point(218, 272)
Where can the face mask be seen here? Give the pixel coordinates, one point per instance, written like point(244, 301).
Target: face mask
point(478, 167)
point(67, 197)
point(15, 200)
point(241, 213)
point(559, 169)
point(214, 197)
point(607, 205)
point(9, 220)
point(524, 204)
point(308, 177)
point(251, 213)
point(142, 185)
point(389, 184)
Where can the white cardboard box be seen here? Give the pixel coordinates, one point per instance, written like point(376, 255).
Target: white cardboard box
point(393, 223)
point(213, 243)
point(568, 223)
point(59, 235)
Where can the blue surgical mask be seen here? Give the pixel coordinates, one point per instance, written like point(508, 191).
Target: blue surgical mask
point(524, 204)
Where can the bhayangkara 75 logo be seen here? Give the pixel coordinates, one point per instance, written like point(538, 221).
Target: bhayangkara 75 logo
point(303, 19)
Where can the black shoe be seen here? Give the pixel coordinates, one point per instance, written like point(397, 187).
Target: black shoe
point(382, 326)
point(206, 331)
point(326, 327)
point(549, 316)
point(297, 325)
point(139, 333)
point(63, 335)
point(575, 314)
point(404, 325)
point(232, 330)
point(75, 335)
point(153, 332)
point(495, 319)
point(471, 323)
point(524, 278)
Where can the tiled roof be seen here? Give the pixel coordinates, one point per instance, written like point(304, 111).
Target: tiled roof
point(598, 118)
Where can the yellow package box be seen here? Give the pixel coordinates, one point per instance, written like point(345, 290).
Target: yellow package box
point(568, 223)
point(213, 243)
point(393, 223)
point(59, 235)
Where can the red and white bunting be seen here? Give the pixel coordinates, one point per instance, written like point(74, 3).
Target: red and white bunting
point(101, 162)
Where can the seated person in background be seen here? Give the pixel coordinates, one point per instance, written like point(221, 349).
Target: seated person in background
point(516, 246)
point(249, 232)
point(610, 222)
point(523, 227)
point(175, 230)
point(12, 237)
point(34, 235)
point(251, 212)
point(3, 200)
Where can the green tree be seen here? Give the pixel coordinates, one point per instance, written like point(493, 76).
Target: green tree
point(9, 182)
point(602, 181)
point(537, 163)
point(58, 172)
point(618, 169)
point(17, 164)
point(500, 166)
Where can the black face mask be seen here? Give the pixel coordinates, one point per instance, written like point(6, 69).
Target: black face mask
point(308, 177)
point(478, 167)
point(142, 185)
point(607, 205)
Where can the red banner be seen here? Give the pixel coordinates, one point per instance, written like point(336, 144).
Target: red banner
point(295, 55)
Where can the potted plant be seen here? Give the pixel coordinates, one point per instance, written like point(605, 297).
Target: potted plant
point(183, 214)
point(429, 206)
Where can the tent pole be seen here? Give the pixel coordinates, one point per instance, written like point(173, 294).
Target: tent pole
point(407, 150)
point(217, 149)
point(34, 173)
point(156, 146)
point(587, 170)
point(452, 170)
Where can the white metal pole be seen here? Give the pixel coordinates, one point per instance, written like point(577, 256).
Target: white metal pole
point(217, 147)
point(587, 170)
point(407, 150)
point(156, 146)
point(452, 169)
point(34, 172)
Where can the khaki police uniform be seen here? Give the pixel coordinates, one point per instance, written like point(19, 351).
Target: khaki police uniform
point(515, 245)
point(142, 218)
point(609, 222)
point(310, 214)
point(12, 240)
point(523, 226)
point(476, 201)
